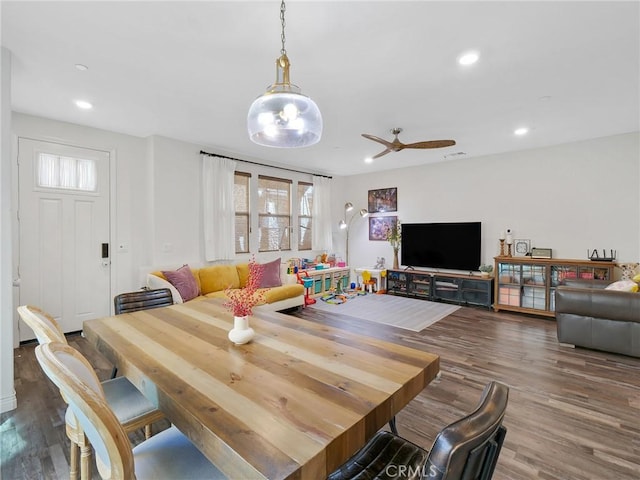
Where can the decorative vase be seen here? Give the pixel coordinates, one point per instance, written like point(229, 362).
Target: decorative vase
point(395, 259)
point(241, 333)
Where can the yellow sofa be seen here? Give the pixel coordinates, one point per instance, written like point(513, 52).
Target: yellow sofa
point(215, 279)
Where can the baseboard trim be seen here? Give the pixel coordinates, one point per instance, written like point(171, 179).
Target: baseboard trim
point(8, 403)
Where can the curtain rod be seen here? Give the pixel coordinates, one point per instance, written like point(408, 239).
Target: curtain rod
point(202, 152)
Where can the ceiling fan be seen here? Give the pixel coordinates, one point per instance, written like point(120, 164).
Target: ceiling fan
point(397, 145)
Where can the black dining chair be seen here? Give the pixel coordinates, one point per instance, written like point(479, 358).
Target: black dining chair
point(467, 449)
point(140, 300)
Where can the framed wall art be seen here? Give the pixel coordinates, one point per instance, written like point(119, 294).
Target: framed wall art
point(378, 227)
point(383, 200)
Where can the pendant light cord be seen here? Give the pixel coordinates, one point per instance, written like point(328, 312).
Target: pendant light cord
point(283, 8)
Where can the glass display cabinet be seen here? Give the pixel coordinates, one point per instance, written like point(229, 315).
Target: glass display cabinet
point(528, 285)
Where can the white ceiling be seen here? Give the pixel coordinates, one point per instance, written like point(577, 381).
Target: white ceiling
point(190, 70)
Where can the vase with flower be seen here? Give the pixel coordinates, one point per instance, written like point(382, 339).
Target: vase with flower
point(394, 236)
point(241, 302)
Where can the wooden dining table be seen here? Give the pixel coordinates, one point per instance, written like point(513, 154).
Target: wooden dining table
point(295, 402)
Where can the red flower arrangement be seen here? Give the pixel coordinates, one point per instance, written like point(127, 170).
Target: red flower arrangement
point(242, 300)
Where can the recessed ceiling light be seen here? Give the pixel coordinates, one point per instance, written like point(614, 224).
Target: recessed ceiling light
point(81, 67)
point(521, 131)
point(468, 58)
point(84, 105)
point(368, 160)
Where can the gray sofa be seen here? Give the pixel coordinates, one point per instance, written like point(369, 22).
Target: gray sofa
point(590, 316)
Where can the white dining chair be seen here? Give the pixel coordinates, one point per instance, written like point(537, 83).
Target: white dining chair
point(130, 406)
point(166, 455)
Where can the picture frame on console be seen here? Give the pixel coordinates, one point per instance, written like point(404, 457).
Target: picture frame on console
point(378, 227)
point(521, 247)
point(383, 200)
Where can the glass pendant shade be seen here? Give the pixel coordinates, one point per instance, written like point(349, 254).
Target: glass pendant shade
point(284, 117)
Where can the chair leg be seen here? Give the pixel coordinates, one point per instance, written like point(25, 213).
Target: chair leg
point(73, 461)
point(85, 462)
point(147, 431)
point(392, 425)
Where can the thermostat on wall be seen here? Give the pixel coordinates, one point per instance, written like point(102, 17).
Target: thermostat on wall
point(540, 252)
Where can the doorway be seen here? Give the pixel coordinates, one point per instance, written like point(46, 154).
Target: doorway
point(64, 263)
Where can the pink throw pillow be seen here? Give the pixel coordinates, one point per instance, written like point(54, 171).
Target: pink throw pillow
point(271, 274)
point(184, 281)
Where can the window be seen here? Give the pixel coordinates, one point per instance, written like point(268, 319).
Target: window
point(274, 214)
point(66, 173)
point(241, 207)
point(305, 211)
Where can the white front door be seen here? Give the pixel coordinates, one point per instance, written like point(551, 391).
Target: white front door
point(64, 265)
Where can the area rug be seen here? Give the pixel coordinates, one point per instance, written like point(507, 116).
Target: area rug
point(408, 313)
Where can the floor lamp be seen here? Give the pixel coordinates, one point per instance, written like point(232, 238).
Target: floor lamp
point(346, 224)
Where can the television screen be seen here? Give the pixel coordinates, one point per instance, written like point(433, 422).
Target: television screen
point(454, 246)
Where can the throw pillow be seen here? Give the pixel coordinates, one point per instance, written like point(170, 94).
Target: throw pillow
point(623, 286)
point(271, 274)
point(184, 281)
point(154, 282)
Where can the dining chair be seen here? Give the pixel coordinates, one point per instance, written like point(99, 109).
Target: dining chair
point(142, 300)
point(131, 408)
point(467, 449)
point(167, 455)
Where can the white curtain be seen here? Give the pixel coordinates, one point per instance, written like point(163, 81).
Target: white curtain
point(218, 208)
point(321, 230)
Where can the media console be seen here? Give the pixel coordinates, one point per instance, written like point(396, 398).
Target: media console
point(437, 286)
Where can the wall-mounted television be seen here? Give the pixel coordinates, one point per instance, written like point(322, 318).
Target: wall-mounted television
point(453, 246)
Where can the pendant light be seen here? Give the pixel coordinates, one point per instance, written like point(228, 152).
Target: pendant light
point(284, 117)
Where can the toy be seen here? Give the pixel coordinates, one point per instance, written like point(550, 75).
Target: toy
point(628, 270)
point(307, 282)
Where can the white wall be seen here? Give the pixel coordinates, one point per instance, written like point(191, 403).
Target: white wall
point(571, 198)
point(156, 196)
point(177, 194)
point(130, 181)
point(7, 392)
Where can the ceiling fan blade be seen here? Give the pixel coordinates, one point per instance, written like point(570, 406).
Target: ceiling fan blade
point(381, 153)
point(377, 139)
point(431, 144)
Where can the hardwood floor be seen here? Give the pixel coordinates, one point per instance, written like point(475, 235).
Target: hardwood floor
point(572, 414)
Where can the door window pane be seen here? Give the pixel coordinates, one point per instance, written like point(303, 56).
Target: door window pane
point(68, 173)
